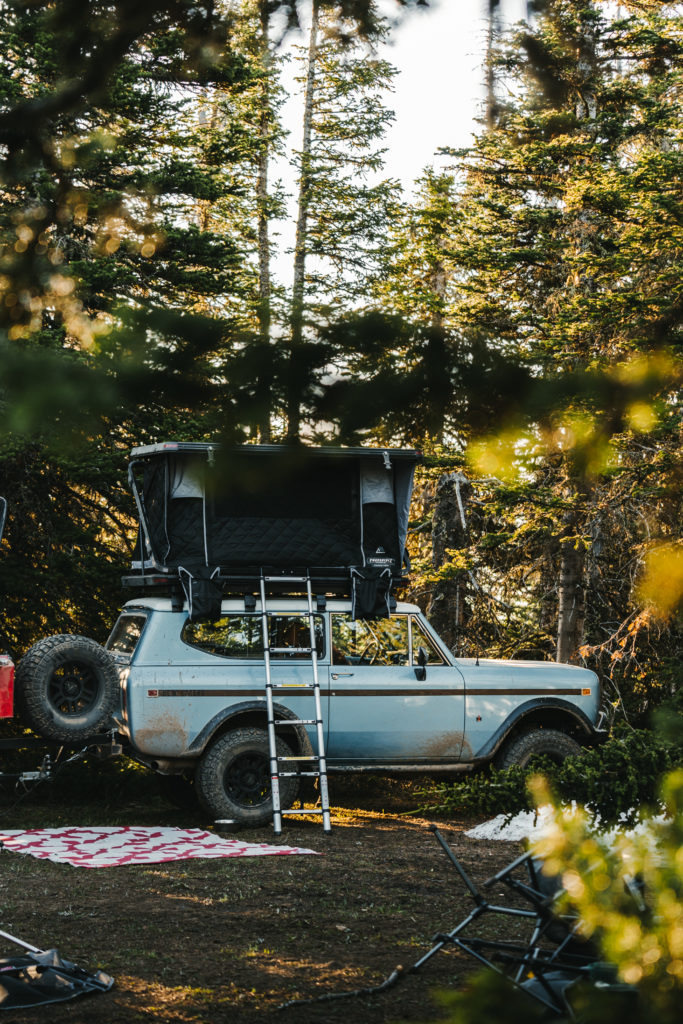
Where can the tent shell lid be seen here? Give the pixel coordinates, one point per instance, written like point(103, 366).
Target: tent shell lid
point(169, 447)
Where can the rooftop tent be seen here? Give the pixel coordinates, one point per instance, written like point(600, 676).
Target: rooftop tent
point(269, 508)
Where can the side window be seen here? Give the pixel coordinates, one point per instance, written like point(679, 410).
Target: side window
point(421, 639)
point(294, 631)
point(240, 636)
point(232, 636)
point(361, 642)
point(125, 635)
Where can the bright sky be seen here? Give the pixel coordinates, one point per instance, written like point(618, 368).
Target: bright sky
point(439, 91)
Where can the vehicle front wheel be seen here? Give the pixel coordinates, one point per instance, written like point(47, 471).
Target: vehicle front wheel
point(552, 743)
point(233, 778)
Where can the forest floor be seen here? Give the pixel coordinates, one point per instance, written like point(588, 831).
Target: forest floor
point(213, 941)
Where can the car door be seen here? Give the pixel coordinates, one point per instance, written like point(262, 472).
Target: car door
point(379, 711)
point(219, 663)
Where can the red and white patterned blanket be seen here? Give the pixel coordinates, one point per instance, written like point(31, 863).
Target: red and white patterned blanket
point(104, 847)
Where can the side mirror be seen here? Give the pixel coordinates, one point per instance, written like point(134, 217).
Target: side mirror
point(420, 669)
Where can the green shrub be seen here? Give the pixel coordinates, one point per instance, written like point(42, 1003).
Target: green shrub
point(614, 781)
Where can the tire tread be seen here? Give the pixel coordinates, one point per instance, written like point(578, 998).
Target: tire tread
point(532, 742)
point(210, 792)
point(32, 680)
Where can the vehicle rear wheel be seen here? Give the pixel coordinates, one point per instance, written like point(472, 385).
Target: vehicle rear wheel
point(552, 743)
point(67, 688)
point(233, 778)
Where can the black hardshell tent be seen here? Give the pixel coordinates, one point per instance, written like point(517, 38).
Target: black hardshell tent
point(333, 513)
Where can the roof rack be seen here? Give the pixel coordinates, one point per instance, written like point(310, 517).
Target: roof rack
point(238, 585)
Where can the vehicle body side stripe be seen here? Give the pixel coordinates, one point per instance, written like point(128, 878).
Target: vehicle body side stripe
point(305, 691)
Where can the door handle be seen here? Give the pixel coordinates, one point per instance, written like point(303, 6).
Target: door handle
point(336, 675)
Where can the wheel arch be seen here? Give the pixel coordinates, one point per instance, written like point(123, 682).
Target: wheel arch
point(243, 715)
point(541, 713)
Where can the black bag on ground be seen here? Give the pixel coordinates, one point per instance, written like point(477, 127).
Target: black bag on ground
point(34, 979)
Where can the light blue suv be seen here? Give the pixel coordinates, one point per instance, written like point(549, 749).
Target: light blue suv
point(394, 699)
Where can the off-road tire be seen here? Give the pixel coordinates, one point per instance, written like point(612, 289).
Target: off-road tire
point(67, 688)
point(550, 743)
point(233, 778)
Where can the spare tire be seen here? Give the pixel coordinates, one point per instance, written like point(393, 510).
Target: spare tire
point(67, 688)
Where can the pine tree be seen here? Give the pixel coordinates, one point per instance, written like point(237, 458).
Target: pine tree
point(108, 257)
point(342, 214)
point(570, 251)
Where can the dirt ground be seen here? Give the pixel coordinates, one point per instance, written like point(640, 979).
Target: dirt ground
point(212, 941)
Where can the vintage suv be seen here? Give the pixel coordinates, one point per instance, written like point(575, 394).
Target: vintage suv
point(394, 698)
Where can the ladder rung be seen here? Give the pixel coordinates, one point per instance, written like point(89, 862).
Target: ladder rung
point(298, 757)
point(298, 775)
point(285, 579)
point(298, 721)
point(303, 810)
point(291, 686)
point(290, 650)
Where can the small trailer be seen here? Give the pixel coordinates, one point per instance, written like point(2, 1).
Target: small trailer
point(6, 663)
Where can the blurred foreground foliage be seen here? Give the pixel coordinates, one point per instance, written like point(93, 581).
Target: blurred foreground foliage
point(627, 894)
point(640, 932)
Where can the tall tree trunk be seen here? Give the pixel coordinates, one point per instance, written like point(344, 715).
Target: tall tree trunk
point(571, 610)
point(295, 368)
point(447, 607)
point(208, 118)
point(437, 380)
point(264, 384)
point(492, 35)
point(571, 593)
point(548, 591)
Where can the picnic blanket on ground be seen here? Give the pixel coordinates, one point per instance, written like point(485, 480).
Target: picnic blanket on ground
point(104, 847)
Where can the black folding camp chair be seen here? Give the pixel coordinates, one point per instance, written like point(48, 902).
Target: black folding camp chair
point(545, 964)
point(41, 976)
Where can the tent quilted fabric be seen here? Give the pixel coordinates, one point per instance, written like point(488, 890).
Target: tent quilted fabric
point(265, 507)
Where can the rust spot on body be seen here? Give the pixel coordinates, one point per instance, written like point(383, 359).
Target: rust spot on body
point(165, 735)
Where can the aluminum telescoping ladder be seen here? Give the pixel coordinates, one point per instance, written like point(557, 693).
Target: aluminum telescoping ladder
point(280, 767)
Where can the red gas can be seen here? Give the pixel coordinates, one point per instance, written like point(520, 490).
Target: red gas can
point(6, 686)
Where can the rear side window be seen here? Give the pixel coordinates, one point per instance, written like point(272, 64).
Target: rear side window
point(241, 636)
point(126, 634)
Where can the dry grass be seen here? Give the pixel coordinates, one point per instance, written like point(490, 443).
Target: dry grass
point(229, 941)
